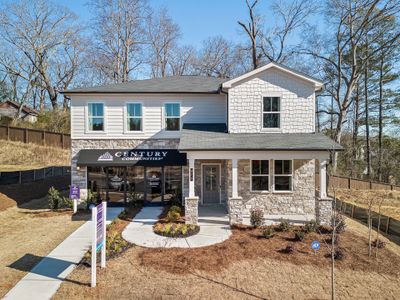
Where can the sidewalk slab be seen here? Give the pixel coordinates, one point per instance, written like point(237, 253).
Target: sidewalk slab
point(43, 281)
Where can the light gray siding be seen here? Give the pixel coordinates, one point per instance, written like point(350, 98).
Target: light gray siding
point(297, 103)
point(194, 109)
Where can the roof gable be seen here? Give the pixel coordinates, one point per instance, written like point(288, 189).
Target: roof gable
point(26, 109)
point(318, 85)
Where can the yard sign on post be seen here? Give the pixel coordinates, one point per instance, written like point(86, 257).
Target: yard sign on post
point(99, 238)
point(75, 194)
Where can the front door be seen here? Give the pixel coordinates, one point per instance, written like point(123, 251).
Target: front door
point(211, 184)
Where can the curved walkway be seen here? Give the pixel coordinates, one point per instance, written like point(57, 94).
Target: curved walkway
point(213, 222)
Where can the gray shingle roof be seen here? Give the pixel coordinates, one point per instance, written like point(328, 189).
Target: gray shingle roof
point(172, 84)
point(203, 140)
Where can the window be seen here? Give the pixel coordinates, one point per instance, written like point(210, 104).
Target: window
point(259, 175)
point(172, 116)
point(96, 116)
point(271, 112)
point(283, 170)
point(134, 116)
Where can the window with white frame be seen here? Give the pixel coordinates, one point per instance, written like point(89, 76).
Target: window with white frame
point(259, 175)
point(96, 116)
point(134, 116)
point(172, 116)
point(271, 112)
point(283, 175)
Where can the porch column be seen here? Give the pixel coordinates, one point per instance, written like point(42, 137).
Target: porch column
point(322, 178)
point(234, 178)
point(191, 178)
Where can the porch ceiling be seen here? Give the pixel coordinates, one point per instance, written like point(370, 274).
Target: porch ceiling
point(192, 140)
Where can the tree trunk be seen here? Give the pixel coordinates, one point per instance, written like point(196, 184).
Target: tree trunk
point(355, 129)
point(367, 120)
point(380, 129)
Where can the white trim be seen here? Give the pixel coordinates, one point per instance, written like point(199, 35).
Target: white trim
point(271, 129)
point(288, 175)
point(87, 130)
point(164, 118)
point(201, 181)
point(228, 84)
point(126, 131)
point(263, 155)
point(260, 175)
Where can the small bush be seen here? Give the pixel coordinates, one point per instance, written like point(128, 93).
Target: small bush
point(268, 232)
point(289, 249)
point(339, 254)
point(300, 236)
point(284, 225)
point(175, 230)
point(54, 198)
point(175, 208)
point(378, 244)
point(256, 217)
point(173, 216)
point(66, 202)
point(310, 226)
point(91, 198)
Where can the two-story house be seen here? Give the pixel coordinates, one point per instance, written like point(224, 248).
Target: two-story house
point(245, 142)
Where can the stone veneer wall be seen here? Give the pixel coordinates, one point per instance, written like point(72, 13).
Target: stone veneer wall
point(79, 177)
point(299, 202)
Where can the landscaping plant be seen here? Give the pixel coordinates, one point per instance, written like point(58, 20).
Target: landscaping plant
point(284, 225)
point(175, 208)
point(311, 226)
point(54, 198)
point(300, 236)
point(173, 216)
point(268, 232)
point(256, 217)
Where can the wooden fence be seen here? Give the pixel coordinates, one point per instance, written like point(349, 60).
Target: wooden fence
point(19, 177)
point(343, 182)
point(387, 224)
point(39, 137)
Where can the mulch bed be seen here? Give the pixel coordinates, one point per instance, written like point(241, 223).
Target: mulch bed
point(249, 244)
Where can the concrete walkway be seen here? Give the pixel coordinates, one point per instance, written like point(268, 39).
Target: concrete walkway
point(213, 221)
point(45, 278)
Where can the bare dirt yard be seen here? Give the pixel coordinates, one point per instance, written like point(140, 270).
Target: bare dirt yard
point(390, 200)
point(246, 266)
point(27, 233)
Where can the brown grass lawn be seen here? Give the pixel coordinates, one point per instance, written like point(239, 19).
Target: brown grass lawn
point(17, 156)
point(244, 267)
point(391, 200)
point(27, 234)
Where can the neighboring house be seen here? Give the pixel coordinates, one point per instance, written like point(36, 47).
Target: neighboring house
point(10, 109)
point(246, 142)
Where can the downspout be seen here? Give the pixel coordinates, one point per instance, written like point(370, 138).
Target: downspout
point(227, 108)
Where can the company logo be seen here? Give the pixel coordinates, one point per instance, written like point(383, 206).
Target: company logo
point(106, 157)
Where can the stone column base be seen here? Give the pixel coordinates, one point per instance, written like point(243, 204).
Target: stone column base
point(324, 211)
point(235, 210)
point(191, 210)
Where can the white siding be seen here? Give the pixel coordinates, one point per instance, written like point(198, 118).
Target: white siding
point(194, 109)
point(297, 103)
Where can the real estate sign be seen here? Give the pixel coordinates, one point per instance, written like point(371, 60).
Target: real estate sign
point(99, 238)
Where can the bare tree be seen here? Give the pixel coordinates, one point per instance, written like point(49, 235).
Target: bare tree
point(291, 16)
point(38, 34)
point(253, 29)
point(162, 35)
point(343, 62)
point(217, 58)
point(182, 61)
point(118, 37)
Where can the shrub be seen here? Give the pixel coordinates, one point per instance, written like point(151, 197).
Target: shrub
point(339, 222)
point(268, 232)
point(256, 217)
point(54, 198)
point(311, 226)
point(339, 254)
point(175, 230)
point(289, 249)
point(66, 202)
point(378, 244)
point(90, 198)
point(284, 225)
point(173, 216)
point(299, 236)
point(132, 198)
point(175, 208)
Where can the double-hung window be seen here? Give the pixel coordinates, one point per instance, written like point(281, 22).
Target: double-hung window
point(271, 112)
point(259, 175)
point(96, 116)
point(172, 116)
point(283, 175)
point(134, 117)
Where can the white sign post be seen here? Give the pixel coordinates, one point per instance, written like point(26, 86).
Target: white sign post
point(99, 213)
